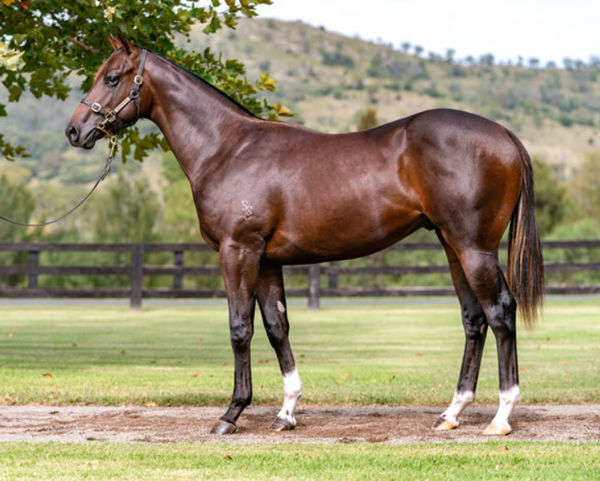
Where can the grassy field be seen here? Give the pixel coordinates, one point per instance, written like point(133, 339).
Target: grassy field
point(393, 354)
point(486, 461)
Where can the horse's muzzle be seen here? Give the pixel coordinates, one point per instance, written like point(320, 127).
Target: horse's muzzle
point(75, 137)
point(72, 134)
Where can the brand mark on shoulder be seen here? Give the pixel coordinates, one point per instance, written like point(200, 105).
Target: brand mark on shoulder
point(247, 209)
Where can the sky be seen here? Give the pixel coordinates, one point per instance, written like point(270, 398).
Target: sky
point(549, 30)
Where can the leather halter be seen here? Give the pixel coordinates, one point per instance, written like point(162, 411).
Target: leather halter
point(107, 125)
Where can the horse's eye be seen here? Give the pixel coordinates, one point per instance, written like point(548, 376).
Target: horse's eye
point(111, 80)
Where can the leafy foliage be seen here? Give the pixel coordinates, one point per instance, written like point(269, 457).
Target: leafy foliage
point(586, 187)
point(550, 198)
point(43, 43)
point(17, 203)
point(180, 213)
point(128, 213)
point(367, 119)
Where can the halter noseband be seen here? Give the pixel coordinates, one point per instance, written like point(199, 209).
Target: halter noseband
point(110, 116)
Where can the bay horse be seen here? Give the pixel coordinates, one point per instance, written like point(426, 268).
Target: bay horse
point(270, 193)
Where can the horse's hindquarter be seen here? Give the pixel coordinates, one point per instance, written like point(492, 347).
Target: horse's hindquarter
point(340, 196)
point(467, 174)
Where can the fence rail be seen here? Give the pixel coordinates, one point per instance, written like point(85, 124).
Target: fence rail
point(136, 270)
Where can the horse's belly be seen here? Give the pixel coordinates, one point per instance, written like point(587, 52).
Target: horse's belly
point(346, 237)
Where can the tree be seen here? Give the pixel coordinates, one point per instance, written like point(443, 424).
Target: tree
point(534, 62)
point(586, 187)
point(550, 198)
point(181, 221)
point(486, 60)
point(127, 211)
point(44, 42)
point(17, 203)
point(367, 119)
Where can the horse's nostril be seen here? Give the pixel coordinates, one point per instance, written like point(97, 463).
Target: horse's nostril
point(72, 133)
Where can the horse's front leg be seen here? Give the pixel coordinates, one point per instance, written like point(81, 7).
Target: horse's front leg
point(239, 266)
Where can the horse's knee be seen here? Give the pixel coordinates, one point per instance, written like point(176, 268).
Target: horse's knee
point(241, 334)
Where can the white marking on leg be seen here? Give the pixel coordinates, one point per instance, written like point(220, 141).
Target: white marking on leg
point(292, 390)
point(459, 402)
point(280, 307)
point(508, 399)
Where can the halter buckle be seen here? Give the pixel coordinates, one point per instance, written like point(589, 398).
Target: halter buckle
point(96, 107)
point(138, 80)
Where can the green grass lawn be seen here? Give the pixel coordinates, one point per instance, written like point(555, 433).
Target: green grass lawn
point(453, 461)
point(392, 354)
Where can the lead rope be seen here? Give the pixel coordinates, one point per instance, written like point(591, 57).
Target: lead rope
point(113, 140)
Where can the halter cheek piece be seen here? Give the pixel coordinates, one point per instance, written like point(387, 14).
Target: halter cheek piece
point(107, 125)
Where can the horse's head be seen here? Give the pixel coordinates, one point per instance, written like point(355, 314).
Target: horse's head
point(115, 99)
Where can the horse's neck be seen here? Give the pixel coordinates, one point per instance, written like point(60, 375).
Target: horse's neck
point(198, 122)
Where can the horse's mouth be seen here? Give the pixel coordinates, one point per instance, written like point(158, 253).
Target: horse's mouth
point(90, 139)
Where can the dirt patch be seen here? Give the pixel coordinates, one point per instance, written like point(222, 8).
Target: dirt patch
point(318, 424)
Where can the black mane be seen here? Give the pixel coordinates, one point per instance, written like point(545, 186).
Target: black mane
point(208, 84)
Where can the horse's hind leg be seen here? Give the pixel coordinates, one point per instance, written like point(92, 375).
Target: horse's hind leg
point(475, 326)
point(487, 282)
point(271, 300)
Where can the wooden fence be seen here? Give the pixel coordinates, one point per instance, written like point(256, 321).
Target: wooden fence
point(322, 280)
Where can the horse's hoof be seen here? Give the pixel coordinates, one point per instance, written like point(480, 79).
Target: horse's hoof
point(223, 427)
point(495, 430)
point(282, 425)
point(442, 424)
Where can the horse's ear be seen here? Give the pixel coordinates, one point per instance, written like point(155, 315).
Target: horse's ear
point(115, 42)
point(120, 42)
point(126, 44)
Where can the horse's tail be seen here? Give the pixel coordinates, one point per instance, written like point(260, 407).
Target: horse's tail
point(525, 264)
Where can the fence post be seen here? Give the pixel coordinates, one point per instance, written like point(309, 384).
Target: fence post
point(178, 276)
point(33, 261)
point(333, 275)
point(314, 286)
point(137, 276)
